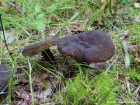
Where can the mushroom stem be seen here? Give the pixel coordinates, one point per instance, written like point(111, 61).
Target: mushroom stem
point(47, 54)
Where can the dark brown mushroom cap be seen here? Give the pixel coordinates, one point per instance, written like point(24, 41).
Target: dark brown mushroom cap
point(36, 48)
point(91, 46)
point(70, 46)
point(4, 78)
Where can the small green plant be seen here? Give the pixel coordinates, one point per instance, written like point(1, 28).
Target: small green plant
point(40, 18)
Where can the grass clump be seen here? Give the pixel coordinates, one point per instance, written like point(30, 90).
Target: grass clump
point(86, 91)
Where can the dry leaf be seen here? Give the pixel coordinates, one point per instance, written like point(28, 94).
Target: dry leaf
point(136, 94)
point(15, 5)
point(137, 18)
point(132, 49)
point(137, 5)
point(78, 27)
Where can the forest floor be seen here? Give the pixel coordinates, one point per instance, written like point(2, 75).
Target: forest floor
point(33, 80)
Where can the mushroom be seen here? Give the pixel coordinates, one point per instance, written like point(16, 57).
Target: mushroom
point(4, 78)
point(90, 46)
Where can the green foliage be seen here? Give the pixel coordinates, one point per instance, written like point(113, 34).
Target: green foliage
point(40, 18)
point(99, 90)
point(123, 1)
